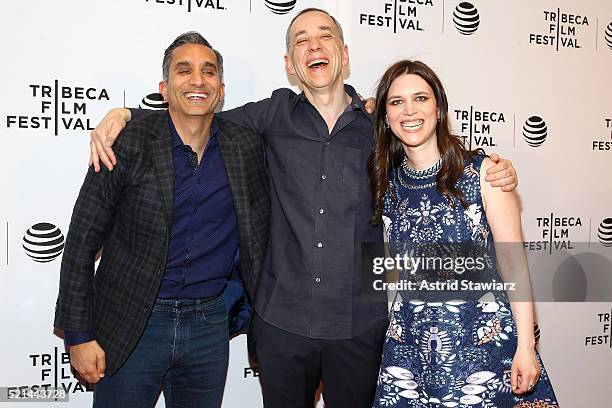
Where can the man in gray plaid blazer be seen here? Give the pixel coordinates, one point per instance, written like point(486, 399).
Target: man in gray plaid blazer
point(190, 190)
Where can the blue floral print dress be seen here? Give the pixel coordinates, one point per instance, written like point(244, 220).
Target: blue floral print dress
point(452, 353)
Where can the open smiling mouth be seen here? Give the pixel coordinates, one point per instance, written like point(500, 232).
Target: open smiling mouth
point(196, 96)
point(413, 124)
point(318, 63)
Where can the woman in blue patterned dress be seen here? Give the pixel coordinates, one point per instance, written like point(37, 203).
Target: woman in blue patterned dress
point(460, 352)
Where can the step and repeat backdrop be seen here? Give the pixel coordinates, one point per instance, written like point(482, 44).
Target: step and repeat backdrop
point(530, 80)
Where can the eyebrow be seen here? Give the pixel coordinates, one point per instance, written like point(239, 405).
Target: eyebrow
point(322, 28)
point(182, 64)
point(419, 93)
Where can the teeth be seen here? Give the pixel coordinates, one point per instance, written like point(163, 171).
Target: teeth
point(317, 61)
point(194, 95)
point(413, 124)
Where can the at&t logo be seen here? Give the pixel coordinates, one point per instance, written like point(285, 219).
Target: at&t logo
point(608, 36)
point(153, 101)
point(280, 6)
point(604, 232)
point(535, 131)
point(43, 242)
point(466, 18)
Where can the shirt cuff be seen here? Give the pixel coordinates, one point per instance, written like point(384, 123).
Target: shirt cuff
point(73, 338)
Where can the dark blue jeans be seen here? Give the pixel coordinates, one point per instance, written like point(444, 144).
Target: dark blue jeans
point(185, 346)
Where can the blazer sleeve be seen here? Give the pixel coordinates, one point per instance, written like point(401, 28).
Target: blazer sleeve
point(91, 219)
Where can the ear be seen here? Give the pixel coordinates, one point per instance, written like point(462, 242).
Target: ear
point(289, 66)
point(345, 55)
point(222, 92)
point(163, 89)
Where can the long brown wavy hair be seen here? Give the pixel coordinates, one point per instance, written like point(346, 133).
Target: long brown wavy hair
point(387, 152)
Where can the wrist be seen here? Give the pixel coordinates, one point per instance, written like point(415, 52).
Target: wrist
point(526, 345)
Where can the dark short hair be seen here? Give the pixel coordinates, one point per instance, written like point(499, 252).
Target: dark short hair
point(307, 10)
point(190, 37)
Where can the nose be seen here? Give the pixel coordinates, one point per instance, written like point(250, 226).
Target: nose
point(409, 108)
point(314, 44)
point(196, 78)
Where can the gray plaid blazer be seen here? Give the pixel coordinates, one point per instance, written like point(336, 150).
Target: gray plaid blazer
point(129, 212)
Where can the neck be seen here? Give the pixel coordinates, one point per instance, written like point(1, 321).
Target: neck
point(194, 131)
point(330, 102)
point(422, 157)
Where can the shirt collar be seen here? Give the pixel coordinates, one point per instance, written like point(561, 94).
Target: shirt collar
point(176, 139)
point(355, 105)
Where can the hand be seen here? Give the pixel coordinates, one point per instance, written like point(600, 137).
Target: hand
point(103, 137)
point(370, 105)
point(525, 370)
point(503, 174)
point(88, 360)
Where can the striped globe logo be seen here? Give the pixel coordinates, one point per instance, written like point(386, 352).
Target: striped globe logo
point(153, 101)
point(280, 7)
point(608, 36)
point(604, 232)
point(535, 131)
point(43, 242)
point(466, 18)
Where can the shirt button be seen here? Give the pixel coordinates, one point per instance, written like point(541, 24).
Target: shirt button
point(320, 245)
point(326, 143)
point(321, 211)
point(317, 280)
point(323, 176)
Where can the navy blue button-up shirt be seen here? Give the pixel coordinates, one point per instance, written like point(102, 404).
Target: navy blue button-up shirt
point(204, 236)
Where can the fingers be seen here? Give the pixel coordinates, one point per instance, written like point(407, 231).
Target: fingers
point(503, 174)
point(514, 380)
point(495, 157)
point(88, 359)
point(510, 187)
point(496, 172)
point(102, 138)
point(370, 105)
point(101, 364)
point(501, 166)
point(503, 179)
point(93, 156)
point(99, 152)
point(526, 380)
point(88, 371)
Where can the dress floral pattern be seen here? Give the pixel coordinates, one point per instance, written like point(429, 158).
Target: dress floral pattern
point(448, 353)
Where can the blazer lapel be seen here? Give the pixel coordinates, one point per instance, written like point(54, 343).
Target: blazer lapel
point(161, 156)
